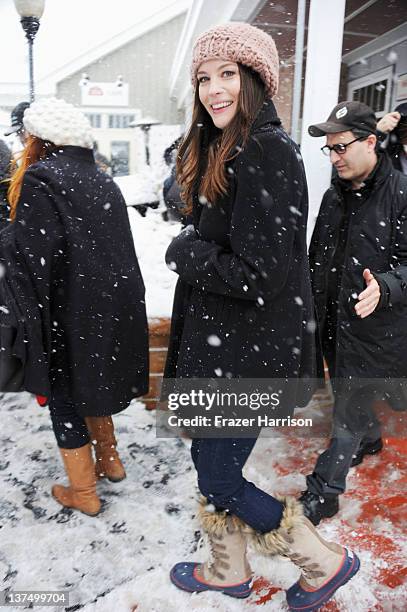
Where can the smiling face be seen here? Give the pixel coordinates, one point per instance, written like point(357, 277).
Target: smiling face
point(219, 88)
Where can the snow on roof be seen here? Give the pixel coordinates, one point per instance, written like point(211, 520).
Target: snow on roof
point(119, 40)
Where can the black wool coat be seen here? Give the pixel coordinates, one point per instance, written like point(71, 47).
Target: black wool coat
point(377, 239)
point(73, 271)
point(243, 306)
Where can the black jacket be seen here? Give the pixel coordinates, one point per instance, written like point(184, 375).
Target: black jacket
point(376, 239)
point(396, 152)
point(72, 269)
point(5, 162)
point(243, 306)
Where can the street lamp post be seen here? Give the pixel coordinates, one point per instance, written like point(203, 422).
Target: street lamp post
point(145, 126)
point(30, 12)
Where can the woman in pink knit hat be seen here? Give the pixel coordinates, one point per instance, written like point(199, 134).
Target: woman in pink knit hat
point(243, 306)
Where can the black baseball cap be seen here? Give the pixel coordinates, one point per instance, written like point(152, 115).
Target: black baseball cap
point(17, 115)
point(346, 116)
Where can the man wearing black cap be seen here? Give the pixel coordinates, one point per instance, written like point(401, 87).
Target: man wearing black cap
point(358, 261)
point(17, 125)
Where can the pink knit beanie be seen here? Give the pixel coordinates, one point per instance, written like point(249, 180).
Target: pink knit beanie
point(241, 43)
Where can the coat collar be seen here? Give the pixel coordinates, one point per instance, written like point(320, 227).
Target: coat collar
point(78, 153)
point(379, 174)
point(266, 116)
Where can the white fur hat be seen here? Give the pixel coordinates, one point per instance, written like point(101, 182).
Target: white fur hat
point(58, 122)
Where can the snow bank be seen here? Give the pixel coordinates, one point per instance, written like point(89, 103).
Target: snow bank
point(152, 236)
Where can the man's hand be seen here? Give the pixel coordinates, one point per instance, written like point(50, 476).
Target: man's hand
point(388, 122)
point(369, 298)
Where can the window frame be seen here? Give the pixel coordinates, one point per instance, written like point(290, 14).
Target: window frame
point(386, 74)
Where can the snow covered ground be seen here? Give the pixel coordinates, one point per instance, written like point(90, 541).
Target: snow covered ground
point(152, 236)
point(120, 559)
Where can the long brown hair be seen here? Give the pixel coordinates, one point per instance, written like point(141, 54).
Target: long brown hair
point(34, 150)
point(206, 149)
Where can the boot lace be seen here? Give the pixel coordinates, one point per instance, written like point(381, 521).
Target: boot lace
point(216, 552)
point(309, 569)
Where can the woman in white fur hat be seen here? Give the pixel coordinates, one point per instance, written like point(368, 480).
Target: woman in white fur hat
point(78, 295)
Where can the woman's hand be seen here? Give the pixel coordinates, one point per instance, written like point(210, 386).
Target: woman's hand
point(177, 246)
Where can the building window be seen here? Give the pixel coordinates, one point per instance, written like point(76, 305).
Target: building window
point(95, 119)
point(374, 90)
point(373, 95)
point(120, 153)
point(120, 121)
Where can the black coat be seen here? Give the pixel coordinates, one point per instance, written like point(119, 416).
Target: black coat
point(396, 151)
point(72, 269)
point(377, 239)
point(5, 162)
point(243, 306)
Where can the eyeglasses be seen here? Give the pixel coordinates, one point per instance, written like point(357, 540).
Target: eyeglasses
point(339, 148)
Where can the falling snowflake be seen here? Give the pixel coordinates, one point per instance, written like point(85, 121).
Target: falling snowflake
point(214, 340)
point(311, 326)
point(392, 57)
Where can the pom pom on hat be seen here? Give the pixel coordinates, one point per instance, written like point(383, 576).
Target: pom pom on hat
point(241, 43)
point(58, 122)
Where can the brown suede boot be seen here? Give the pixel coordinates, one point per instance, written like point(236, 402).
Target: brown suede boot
point(108, 464)
point(325, 566)
point(80, 469)
point(228, 570)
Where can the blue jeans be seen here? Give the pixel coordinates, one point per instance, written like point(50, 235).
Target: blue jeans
point(219, 463)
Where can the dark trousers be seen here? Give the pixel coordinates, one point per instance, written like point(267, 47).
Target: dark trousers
point(354, 422)
point(69, 427)
point(219, 463)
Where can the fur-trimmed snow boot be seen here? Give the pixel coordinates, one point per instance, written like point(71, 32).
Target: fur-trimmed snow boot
point(108, 463)
point(228, 570)
point(80, 469)
point(325, 566)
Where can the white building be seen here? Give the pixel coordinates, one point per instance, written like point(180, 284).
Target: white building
point(121, 82)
